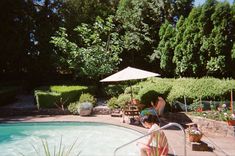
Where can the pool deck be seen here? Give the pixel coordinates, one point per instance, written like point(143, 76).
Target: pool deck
point(223, 146)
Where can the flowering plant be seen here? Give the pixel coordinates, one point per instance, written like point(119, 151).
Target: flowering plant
point(194, 131)
point(225, 113)
point(228, 116)
point(195, 134)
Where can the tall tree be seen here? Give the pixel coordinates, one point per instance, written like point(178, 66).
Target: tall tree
point(187, 47)
point(165, 49)
point(26, 28)
point(220, 40)
point(141, 20)
point(206, 26)
point(233, 38)
point(76, 12)
point(99, 53)
point(47, 21)
point(15, 28)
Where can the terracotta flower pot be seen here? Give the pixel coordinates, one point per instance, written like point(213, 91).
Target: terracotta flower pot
point(231, 122)
point(199, 109)
point(195, 138)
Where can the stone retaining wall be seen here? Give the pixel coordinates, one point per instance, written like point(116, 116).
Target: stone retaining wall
point(209, 126)
point(101, 110)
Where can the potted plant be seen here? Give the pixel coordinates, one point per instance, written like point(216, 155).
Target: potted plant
point(230, 119)
point(227, 115)
point(195, 134)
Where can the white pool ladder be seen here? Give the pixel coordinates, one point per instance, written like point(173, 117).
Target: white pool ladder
point(161, 128)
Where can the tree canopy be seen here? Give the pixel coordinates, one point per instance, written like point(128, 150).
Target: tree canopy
point(93, 38)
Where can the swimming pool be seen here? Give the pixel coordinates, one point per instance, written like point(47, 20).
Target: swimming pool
point(93, 139)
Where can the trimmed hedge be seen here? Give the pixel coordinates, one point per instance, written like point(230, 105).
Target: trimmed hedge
point(65, 94)
point(46, 99)
point(7, 94)
point(204, 88)
point(175, 89)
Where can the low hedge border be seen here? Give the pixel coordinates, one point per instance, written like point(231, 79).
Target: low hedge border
point(58, 95)
point(192, 88)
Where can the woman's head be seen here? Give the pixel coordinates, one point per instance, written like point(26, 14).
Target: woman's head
point(148, 121)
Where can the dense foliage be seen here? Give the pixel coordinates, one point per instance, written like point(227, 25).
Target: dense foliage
point(73, 107)
point(201, 44)
point(86, 100)
point(112, 103)
point(176, 89)
point(43, 41)
point(114, 90)
point(99, 53)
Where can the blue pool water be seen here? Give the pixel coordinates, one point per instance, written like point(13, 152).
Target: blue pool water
point(93, 139)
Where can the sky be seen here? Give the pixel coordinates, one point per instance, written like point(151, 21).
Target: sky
point(200, 2)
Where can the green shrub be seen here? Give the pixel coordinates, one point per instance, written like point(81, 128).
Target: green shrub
point(65, 94)
point(73, 107)
point(196, 105)
point(114, 90)
point(87, 98)
point(123, 99)
point(112, 103)
point(76, 107)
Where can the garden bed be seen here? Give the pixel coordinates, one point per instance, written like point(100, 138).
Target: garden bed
point(213, 127)
point(208, 126)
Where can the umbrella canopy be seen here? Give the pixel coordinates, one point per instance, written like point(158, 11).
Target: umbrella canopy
point(129, 73)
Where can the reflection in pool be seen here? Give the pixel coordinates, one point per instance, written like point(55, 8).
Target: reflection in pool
point(93, 139)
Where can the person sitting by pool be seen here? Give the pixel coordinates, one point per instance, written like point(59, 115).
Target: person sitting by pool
point(157, 142)
point(156, 109)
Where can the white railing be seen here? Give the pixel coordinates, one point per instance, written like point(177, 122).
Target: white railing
point(161, 128)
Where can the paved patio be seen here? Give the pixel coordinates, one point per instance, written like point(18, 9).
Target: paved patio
point(223, 146)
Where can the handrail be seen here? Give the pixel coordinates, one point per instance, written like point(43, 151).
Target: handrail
point(161, 128)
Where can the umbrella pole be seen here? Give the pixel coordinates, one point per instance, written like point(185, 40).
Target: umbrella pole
point(131, 98)
point(131, 94)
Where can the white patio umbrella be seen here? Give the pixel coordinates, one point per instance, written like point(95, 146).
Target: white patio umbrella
point(129, 73)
